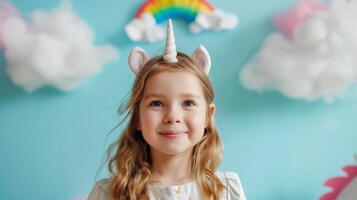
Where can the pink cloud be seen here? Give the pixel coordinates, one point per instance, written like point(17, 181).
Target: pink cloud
point(6, 10)
point(299, 13)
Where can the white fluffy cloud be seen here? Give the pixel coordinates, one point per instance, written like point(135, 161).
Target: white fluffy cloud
point(318, 61)
point(217, 20)
point(146, 29)
point(52, 48)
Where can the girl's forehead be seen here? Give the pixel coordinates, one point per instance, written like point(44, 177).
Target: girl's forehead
point(174, 83)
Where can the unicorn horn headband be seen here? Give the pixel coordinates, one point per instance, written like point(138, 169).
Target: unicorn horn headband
point(138, 56)
point(170, 50)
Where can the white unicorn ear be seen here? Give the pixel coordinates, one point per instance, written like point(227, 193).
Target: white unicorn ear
point(202, 59)
point(137, 59)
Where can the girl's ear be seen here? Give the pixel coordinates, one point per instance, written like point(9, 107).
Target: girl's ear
point(211, 110)
point(202, 59)
point(138, 125)
point(137, 59)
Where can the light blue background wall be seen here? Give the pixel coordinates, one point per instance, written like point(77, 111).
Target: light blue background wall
point(51, 143)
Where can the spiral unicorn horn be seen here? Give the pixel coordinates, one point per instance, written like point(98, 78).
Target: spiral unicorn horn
point(138, 56)
point(170, 50)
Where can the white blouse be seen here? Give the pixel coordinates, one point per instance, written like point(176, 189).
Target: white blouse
point(187, 191)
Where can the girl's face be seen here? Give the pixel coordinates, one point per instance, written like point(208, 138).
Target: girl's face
point(173, 112)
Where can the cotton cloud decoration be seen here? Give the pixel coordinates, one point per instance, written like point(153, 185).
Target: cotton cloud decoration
point(144, 28)
point(313, 59)
point(217, 20)
point(53, 48)
point(199, 14)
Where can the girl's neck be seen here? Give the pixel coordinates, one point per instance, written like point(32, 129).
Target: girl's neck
point(169, 170)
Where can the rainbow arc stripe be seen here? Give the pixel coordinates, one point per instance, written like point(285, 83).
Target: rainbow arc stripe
point(186, 10)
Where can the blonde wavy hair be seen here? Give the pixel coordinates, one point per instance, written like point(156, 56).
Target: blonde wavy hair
point(129, 158)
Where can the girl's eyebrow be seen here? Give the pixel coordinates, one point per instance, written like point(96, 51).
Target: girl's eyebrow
point(189, 95)
point(184, 95)
point(152, 95)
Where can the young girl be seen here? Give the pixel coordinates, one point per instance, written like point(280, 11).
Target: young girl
point(170, 148)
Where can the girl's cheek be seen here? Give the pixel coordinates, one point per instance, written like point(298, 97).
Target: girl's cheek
point(151, 117)
point(197, 118)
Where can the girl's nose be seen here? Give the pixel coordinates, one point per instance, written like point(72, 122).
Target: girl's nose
point(172, 116)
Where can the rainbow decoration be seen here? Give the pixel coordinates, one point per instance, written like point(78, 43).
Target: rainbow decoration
point(186, 10)
point(199, 14)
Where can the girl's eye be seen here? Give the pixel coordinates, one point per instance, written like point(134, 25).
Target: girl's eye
point(188, 103)
point(156, 104)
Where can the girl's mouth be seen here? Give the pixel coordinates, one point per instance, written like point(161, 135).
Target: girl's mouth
point(171, 134)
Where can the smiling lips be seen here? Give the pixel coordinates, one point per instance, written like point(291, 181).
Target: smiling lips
point(172, 134)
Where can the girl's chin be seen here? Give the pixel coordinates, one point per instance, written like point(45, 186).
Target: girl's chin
point(176, 151)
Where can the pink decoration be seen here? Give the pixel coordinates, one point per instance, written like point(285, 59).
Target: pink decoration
point(299, 13)
point(6, 10)
point(339, 184)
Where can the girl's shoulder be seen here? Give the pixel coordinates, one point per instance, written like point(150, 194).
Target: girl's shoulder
point(99, 191)
point(233, 186)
